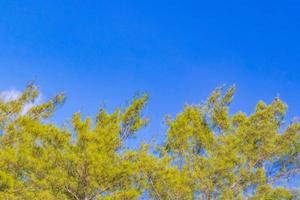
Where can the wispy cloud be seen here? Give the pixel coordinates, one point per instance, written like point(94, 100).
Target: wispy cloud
point(9, 95)
point(13, 94)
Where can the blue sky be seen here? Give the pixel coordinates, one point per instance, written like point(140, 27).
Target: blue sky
point(103, 52)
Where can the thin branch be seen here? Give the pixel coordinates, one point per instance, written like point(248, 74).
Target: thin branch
point(72, 193)
point(154, 189)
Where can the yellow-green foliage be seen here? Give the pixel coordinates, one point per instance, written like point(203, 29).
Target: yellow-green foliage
point(208, 153)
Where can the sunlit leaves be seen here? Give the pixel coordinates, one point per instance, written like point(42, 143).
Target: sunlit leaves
point(208, 152)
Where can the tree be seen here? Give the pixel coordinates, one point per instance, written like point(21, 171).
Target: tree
point(235, 156)
point(208, 152)
point(41, 161)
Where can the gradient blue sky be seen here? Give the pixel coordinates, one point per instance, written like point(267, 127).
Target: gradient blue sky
point(103, 52)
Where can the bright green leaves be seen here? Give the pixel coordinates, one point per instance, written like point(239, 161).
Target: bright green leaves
point(189, 132)
point(42, 161)
point(267, 192)
point(45, 110)
point(26, 103)
point(229, 156)
point(93, 164)
point(218, 109)
point(127, 122)
point(209, 153)
point(158, 178)
point(258, 134)
point(131, 118)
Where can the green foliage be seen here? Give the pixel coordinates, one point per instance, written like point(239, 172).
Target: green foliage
point(208, 153)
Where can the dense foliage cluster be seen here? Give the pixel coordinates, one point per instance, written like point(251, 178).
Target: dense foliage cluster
point(208, 153)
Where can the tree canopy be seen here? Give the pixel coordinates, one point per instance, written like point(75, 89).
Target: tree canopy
point(208, 152)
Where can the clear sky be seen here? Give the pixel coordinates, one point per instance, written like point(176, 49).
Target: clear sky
point(103, 52)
